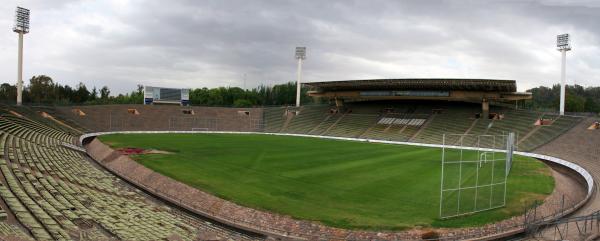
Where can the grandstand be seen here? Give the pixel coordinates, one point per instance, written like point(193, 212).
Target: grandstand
point(400, 117)
point(161, 117)
point(425, 125)
point(51, 191)
point(578, 145)
point(422, 120)
point(56, 193)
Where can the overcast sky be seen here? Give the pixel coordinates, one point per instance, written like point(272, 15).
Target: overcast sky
point(122, 43)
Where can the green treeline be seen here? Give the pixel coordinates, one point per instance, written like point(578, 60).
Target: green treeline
point(43, 90)
point(578, 98)
point(282, 94)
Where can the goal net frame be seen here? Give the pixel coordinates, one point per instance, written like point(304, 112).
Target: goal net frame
point(474, 173)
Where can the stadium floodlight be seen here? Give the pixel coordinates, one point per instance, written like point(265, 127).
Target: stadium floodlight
point(300, 52)
point(563, 45)
point(21, 20)
point(562, 42)
point(21, 27)
point(300, 55)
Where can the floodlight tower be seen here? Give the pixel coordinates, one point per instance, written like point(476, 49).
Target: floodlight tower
point(300, 55)
point(21, 27)
point(563, 45)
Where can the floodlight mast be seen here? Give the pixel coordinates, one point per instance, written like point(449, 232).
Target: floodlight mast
point(300, 55)
point(563, 45)
point(21, 27)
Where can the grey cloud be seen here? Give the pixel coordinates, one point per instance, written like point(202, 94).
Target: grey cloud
point(212, 43)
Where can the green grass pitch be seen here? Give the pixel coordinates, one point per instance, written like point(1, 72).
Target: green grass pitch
point(345, 184)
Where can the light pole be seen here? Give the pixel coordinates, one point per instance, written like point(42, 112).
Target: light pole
point(21, 27)
point(563, 45)
point(300, 55)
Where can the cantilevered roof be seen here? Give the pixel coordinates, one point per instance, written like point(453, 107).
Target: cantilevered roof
point(416, 84)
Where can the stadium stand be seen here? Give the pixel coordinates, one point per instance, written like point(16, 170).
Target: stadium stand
point(56, 194)
point(352, 125)
point(546, 133)
point(325, 125)
point(307, 118)
point(12, 232)
point(51, 192)
point(453, 120)
point(274, 118)
point(50, 113)
point(163, 117)
point(424, 122)
point(579, 145)
point(397, 124)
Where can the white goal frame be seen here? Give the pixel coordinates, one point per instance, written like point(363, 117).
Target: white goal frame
point(499, 150)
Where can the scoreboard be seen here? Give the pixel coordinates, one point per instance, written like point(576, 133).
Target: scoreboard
point(162, 95)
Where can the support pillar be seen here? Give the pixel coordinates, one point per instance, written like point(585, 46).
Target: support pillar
point(485, 108)
point(298, 82)
point(20, 71)
point(563, 81)
point(339, 104)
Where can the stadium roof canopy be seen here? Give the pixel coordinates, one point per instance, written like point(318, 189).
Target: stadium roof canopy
point(418, 84)
point(431, 89)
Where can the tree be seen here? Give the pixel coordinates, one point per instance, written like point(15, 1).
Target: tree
point(577, 99)
point(199, 96)
point(94, 94)
point(81, 94)
point(591, 105)
point(104, 93)
point(64, 93)
point(242, 103)
point(41, 89)
point(574, 103)
point(8, 92)
point(136, 97)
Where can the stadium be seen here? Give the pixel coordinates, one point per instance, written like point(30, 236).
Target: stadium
point(366, 166)
point(357, 159)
